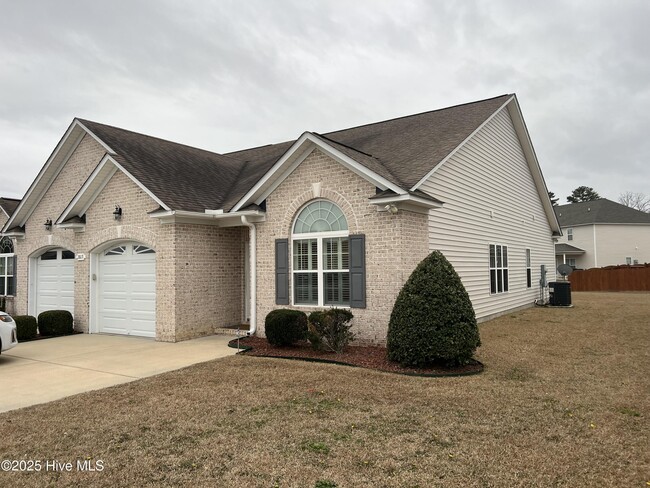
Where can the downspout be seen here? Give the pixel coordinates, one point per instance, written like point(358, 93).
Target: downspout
point(252, 256)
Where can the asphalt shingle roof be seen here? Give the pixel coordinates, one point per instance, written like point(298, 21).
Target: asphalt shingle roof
point(601, 211)
point(401, 150)
point(9, 205)
point(567, 248)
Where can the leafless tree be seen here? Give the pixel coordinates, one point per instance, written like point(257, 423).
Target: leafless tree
point(635, 200)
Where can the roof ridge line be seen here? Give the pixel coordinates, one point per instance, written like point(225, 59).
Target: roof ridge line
point(158, 139)
point(398, 180)
point(421, 113)
point(346, 145)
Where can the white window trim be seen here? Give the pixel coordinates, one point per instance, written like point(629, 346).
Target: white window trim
point(320, 271)
point(319, 237)
point(497, 269)
point(569, 234)
point(529, 268)
point(6, 275)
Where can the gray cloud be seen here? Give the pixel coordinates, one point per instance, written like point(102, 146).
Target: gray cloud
point(227, 75)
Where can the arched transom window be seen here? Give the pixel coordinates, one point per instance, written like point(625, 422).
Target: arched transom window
point(321, 256)
point(7, 267)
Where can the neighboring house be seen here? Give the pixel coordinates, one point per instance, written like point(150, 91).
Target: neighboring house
point(602, 233)
point(7, 261)
point(137, 235)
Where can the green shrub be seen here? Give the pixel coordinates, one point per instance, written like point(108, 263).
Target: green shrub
point(283, 327)
point(330, 329)
point(25, 327)
point(55, 323)
point(433, 320)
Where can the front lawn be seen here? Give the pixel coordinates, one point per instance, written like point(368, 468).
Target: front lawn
point(563, 401)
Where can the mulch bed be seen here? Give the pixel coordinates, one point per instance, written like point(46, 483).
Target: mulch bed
point(372, 357)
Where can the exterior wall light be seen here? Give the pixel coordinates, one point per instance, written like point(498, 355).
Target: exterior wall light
point(391, 208)
point(48, 224)
point(117, 213)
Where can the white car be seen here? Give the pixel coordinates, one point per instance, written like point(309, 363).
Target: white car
point(8, 338)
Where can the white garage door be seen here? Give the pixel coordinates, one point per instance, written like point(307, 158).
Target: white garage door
point(55, 281)
point(127, 290)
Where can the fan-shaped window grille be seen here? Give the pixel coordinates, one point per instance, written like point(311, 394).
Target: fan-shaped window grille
point(320, 216)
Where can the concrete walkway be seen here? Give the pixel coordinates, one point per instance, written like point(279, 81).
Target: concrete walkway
point(42, 371)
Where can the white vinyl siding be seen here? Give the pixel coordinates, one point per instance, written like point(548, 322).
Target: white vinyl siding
point(489, 197)
point(614, 243)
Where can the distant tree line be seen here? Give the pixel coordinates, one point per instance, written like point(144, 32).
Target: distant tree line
point(636, 200)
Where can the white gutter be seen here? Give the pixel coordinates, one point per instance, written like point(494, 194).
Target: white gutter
point(252, 257)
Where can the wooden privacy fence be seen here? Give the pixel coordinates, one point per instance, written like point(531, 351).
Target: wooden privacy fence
point(612, 278)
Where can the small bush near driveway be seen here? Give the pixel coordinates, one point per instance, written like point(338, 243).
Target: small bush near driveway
point(25, 327)
point(55, 323)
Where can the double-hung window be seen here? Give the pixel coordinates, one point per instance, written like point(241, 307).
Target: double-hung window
point(498, 268)
point(7, 267)
point(529, 271)
point(569, 234)
point(321, 256)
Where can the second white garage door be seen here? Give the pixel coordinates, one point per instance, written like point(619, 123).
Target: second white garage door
point(127, 290)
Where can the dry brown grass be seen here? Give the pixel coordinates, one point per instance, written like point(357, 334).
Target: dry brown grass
point(564, 401)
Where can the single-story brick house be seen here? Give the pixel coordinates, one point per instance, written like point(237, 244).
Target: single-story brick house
point(138, 235)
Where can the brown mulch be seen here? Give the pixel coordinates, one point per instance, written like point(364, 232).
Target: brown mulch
point(372, 357)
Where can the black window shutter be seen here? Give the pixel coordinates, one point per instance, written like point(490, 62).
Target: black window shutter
point(358, 271)
point(282, 272)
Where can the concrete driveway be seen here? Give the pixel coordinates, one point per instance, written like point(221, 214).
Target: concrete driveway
point(42, 371)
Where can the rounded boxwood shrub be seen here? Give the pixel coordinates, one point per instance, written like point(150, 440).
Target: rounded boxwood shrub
point(55, 323)
point(283, 327)
point(433, 320)
point(25, 327)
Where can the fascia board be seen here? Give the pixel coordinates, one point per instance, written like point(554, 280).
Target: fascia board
point(92, 134)
point(406, 198)
point(142, 187)
point(533, 163)
point(457, 148)
point(83, 200)
point(294, 156)
point(26, 202)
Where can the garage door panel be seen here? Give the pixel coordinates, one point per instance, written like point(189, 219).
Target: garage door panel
point(127, 289)
point(54, 283)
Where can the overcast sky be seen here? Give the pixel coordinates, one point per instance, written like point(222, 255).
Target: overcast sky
point(227, 75)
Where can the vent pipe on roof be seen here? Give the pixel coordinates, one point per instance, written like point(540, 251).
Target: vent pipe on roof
point(252, 256)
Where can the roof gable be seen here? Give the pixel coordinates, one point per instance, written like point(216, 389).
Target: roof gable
point(181, 176)
point(298, 151)
point(395, 154)
point(601, 211)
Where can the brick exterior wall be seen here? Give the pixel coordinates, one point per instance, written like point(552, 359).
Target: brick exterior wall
point(395, 244)
point(199, 269)
point(210, 277)
point(8, 301)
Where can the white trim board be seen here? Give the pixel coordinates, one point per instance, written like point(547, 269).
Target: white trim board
point(292, 158)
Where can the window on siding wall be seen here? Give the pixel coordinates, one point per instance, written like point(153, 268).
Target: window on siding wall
point(321, 256)
point(529, 271)
point(628, 260)
point(498, 268)
point(7, 267)
point(571, 262)
point(569, 234)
